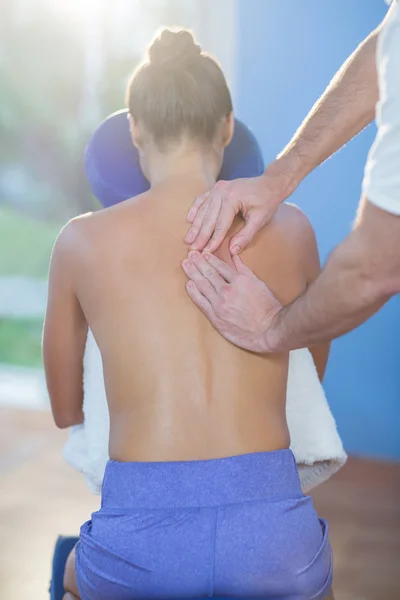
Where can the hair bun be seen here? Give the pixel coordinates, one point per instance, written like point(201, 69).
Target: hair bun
point(174, 48)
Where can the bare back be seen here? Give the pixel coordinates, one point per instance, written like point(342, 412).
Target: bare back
point(176, 389)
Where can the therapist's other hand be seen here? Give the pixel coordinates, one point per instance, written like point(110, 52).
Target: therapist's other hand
point(237, 303)
point(256, 199)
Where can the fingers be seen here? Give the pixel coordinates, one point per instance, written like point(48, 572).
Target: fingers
point(198, 221)
point(205, 214)
point(208, 218)
point(246, 235)
point(207, 271)
point(225, 270)
point(202, 302)
point(240, 266)
point(195, 207)
point(223, 224)
point(205, 287)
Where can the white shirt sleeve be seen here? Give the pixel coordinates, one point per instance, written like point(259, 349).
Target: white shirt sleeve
point(382, 172)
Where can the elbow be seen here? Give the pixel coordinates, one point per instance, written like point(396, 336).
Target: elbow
point(374, 276)
point(64, 420)
point(66, 401)
point(61, 422)
point(66, 413)
point(376, 286)
point(381, 277)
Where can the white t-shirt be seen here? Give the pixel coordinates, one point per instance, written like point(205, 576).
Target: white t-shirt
point(382, 172)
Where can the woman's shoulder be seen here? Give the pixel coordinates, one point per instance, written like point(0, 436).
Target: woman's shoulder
point(290, 217)
point(290, 228)
point(284, 254)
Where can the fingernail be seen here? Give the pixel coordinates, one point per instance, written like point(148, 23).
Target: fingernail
point(235, 249)
point(193, 254)
point(206, 255)
point(189, 237)
point(186, 263)
point(190, 216)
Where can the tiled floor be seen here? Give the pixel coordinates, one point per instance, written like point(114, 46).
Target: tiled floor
point(40, 497)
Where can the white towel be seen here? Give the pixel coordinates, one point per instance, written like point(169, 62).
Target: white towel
point(314, 438)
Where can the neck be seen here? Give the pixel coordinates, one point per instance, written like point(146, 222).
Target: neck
point(183, 165)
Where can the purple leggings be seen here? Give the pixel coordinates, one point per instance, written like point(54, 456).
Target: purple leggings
point(236, 527)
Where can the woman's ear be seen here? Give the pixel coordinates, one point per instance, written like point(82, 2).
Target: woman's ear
point(135, 131)
point(228, 129)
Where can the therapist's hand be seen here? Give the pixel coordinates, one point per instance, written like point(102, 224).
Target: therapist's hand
point(257, 199)
point(237, 303)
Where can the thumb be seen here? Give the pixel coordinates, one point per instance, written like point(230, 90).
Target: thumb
point(245, 235)
point(240, 266)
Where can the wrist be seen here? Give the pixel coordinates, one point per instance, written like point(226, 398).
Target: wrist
point(273, 334)
point(290, 170)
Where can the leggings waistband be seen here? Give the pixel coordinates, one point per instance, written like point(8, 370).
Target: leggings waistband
point(269, 476)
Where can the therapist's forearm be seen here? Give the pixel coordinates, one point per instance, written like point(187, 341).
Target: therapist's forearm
point(346, 294)
point(346, 107)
